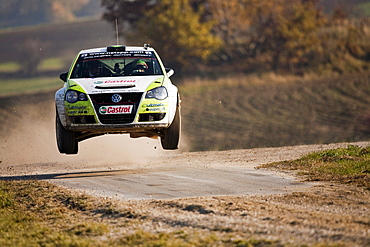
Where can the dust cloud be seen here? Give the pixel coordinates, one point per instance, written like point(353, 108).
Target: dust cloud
point(29, 138)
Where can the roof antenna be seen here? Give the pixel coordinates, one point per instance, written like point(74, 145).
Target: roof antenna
point(117, 31)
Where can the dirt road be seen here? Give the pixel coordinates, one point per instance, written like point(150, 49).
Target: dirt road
point(215, 193)
point(164, 175)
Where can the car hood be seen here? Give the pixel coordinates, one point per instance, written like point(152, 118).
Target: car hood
point(116, 84)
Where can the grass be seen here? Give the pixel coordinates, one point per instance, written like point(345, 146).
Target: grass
point(9, 67)
point(363, 9)
point(239, 112)
point(10, 87)
point(33, 84)
point(54, 63)
point(36, 213)
point(349, 165)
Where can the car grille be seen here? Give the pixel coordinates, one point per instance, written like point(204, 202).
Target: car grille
point(82, 119)
point(106, 99)
point(116, 119)
point(150, 117)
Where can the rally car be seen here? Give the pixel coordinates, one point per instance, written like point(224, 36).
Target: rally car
point(117, 90)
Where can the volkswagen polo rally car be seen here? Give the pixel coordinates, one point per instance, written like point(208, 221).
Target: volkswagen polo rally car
point(117, 90)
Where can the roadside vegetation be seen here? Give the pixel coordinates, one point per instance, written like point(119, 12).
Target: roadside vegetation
point(36, 213)
point(349, 165)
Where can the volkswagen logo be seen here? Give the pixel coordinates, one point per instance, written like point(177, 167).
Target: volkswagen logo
point(116, 98)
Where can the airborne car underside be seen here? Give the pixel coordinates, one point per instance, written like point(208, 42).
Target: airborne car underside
point(117, 90)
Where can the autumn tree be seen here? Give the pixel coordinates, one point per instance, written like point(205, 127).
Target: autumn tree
point(279, 35)
point(291, 29)
point(174, 27)
point(279, 32)
point(177, 31)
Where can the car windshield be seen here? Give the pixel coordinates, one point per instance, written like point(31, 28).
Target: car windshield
point(105, 64)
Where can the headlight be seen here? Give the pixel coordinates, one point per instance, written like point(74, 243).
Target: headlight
point(159, 93)
point(74, 96)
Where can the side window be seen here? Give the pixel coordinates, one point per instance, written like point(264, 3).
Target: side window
point(77, 71)
point(156, 68)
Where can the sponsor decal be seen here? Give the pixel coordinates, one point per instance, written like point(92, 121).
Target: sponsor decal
point(160, 109)
point(98, 82)
point(153, 105)
point(122, 109)
point(77, 112)
point(120, 81)
point(76, 107)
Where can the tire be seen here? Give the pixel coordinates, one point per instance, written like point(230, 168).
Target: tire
point(171, 135)
point(66, 140)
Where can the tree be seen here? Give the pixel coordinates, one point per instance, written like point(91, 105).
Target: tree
point(294, 32)
point(175, 28)
point(279, 32)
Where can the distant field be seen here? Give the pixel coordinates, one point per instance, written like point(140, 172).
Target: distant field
point(249, 112)
point(10, 87)
point(61, 40)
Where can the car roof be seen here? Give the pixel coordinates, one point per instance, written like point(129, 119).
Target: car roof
point(127, 48)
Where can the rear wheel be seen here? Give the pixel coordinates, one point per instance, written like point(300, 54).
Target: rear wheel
point(66, 140)
point(171, 135)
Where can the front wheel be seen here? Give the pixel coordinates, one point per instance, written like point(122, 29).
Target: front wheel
point(171, 135)
point(66, 140)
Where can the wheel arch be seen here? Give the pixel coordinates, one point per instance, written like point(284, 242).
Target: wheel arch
point(59, 105)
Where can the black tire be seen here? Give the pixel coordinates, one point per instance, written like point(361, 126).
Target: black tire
point(66, 140)
point(171, 135)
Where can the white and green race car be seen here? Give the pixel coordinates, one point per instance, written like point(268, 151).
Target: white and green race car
point(117, 90)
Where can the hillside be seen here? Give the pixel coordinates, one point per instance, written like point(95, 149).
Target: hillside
point(249, 112)
point(241, 112)
point(56, 40)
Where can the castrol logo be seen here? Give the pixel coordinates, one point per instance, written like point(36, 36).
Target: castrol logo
point(121, 109)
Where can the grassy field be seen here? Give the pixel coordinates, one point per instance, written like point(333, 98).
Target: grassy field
point(251, 111)
point(240, 112)
point(58, 40)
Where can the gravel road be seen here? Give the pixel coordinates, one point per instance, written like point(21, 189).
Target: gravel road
point(164, 175)
point(211, 193)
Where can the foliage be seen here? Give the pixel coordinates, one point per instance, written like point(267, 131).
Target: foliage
point(280, 35)
point(177, 31)
point(174, 28)
point(344, 46)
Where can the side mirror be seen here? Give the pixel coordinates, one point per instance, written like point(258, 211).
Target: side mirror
point(170, 72)
point(63, 76)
